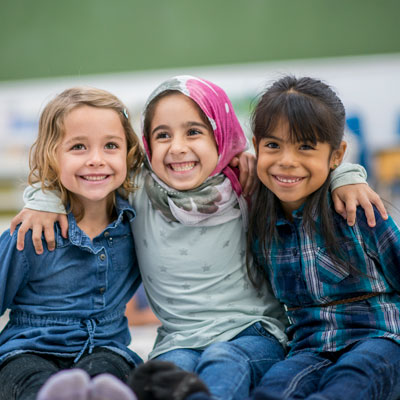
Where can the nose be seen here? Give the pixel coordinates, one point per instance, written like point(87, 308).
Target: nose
point(95, 158)
point(288, 159)
point(178, 145)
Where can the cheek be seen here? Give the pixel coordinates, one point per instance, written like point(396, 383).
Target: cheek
point(64, 169)
point(156, 157)
point(210, 152)
point(213, 159)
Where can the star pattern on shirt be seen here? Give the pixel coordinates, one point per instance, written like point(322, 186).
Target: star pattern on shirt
point(206, 268)
point(203, 231)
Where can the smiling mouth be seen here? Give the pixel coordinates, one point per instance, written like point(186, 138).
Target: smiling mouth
point(94, 177)
point(285, 179)
point(185, 166)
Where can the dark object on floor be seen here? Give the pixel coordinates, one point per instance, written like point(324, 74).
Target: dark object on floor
point(161, 380)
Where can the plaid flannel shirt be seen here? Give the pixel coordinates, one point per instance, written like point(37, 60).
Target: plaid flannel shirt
point(303, 274)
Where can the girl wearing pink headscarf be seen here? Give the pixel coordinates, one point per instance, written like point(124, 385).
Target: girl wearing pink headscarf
point(190, 239)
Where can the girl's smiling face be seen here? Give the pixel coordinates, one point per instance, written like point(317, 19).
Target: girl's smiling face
point(294, 170)
point(92, 154)
point(183, 148)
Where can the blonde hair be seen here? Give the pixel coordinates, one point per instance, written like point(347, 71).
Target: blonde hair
point(43, 163)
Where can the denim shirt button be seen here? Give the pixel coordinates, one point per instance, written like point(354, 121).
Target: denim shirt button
point(106, 234)
point(102, 257)
point(102, 290)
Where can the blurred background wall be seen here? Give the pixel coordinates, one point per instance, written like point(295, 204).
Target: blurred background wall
point(129, 46)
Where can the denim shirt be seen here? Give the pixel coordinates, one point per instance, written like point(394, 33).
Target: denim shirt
point(305, 278)
point(72, 299)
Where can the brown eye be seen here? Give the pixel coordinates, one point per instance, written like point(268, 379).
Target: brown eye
point(111, 146)
point(78, 146)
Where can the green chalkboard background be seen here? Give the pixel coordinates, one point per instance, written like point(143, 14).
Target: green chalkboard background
point(48, 38)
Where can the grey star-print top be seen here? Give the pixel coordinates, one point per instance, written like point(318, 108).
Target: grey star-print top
point(196, 282)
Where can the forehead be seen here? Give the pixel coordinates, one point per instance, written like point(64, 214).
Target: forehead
point(178, 104)
point(290, 131)
point(87, 119)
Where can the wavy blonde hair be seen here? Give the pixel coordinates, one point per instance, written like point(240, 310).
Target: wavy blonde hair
point(43, 163)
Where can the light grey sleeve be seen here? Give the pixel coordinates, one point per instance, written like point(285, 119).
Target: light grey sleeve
point(36, 199)
point(348, 174)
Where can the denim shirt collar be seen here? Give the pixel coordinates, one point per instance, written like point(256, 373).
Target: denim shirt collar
point(77, 237)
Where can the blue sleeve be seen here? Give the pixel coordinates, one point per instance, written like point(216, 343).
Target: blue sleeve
point(13, 269)
point(382, 243)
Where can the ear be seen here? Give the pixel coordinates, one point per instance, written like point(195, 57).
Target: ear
point(337, 155)
point(255, 145)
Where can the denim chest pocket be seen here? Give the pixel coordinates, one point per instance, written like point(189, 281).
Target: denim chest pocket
point(329, 270)
point(122, 251)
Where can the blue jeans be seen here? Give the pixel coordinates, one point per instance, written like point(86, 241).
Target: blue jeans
point(370, 369)
point(231, 369)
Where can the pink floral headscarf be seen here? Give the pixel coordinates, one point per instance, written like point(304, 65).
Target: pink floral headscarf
point(216, 105)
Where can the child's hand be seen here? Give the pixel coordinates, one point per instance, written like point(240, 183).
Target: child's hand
point(38, 221)
point(347, 198)
point(247, 164)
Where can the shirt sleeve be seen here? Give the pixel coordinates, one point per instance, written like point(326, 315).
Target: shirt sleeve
point(36, 199)
point(348, 174)
point(14, 269)
point(382, 244)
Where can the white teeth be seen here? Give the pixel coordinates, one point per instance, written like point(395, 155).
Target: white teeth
point(287, 180)
point(94, 178)
point(183, 166)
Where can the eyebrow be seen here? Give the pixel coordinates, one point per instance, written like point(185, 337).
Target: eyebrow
point(83, 138)
point(188, 124)
point(273, 137)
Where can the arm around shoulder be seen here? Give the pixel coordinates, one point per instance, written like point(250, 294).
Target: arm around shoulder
point(37, 199)
point(42, 210)
point(348, 174)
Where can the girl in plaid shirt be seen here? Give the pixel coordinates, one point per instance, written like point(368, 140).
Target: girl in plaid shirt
point(340, 284)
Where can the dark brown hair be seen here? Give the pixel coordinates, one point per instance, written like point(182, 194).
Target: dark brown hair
point(314, 113)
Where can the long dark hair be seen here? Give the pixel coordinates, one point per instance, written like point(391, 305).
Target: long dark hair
point(314, 113)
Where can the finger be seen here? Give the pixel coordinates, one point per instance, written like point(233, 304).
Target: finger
point(37, 239)
point(14, 223)
point(49, 237)
point(21, 236)
point(351, 209)
point(234, 162)
point(63, 221)
point(244, 175)
point(369, 211)
point(339, 205)
point(252, 179)
point(380, 207)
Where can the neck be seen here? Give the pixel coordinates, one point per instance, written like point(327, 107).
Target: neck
point(96, 217)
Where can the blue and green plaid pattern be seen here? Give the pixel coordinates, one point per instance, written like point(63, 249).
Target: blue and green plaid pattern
point(302, 274)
